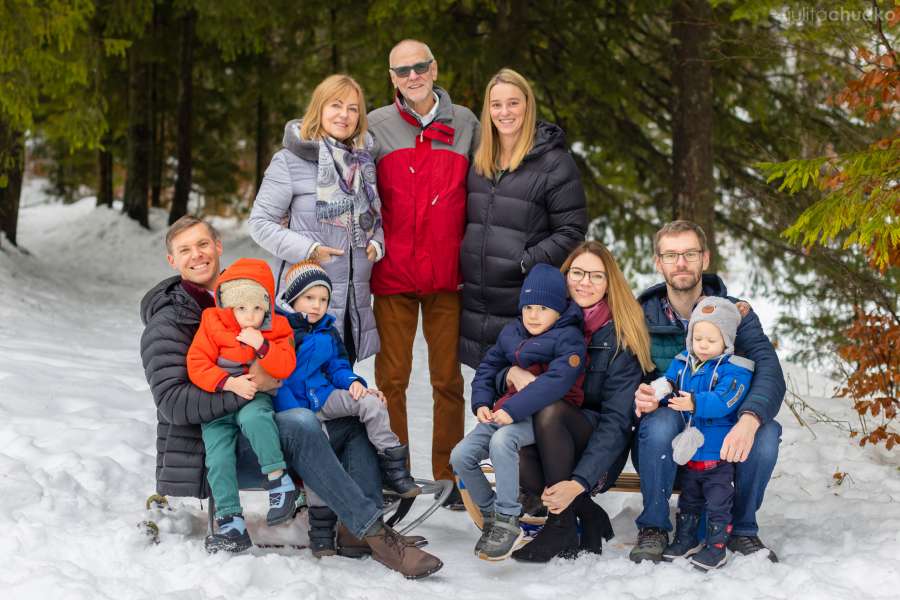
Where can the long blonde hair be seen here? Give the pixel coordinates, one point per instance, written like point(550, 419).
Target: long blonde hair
point(627, 315)
point(330, 88)
point(488, 154)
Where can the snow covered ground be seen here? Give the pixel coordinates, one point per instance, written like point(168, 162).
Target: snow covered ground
point(77, 434)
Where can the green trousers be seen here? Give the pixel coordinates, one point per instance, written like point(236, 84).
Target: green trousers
point(256, 421)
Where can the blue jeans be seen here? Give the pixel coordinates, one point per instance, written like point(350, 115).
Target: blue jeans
point(350, 486)
point(501, 444)
point(651, 456)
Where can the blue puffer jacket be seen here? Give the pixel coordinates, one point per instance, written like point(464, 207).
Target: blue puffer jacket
point(322, 365)
point(668, 339)
point(718, 386)
point(561, 348)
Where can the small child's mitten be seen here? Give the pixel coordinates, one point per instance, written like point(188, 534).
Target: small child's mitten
point(686, 444)
point(661, 387)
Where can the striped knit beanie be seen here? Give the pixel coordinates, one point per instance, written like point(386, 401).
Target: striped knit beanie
point(302, 276)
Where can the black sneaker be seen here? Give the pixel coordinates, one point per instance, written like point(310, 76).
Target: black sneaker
point(650, 545)
point(454, 500)
point(749, 544)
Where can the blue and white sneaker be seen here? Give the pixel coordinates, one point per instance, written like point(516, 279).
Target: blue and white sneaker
point(283, 496)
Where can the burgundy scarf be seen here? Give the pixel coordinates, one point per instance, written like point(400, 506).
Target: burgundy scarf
point(595, 317)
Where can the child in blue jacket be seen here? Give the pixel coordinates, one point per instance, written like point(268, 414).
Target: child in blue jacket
point(324, 382)
point(548, 341)
point(707, 382)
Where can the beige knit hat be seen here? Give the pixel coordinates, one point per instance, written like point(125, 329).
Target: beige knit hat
point(243, 292)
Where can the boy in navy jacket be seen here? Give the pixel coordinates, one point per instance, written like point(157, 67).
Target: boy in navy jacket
point(547, 340)
point(708, 383)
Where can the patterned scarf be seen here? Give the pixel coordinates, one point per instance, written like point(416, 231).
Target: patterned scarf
point(346, 194)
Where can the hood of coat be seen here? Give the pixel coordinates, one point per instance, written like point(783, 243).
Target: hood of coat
point(308, 149)
point(547, 136)
point(160, 296)
point(256, 270)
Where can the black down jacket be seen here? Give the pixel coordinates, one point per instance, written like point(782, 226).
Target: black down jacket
point(534, 214)
point(171, 317)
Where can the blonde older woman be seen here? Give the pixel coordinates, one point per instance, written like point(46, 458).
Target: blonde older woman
point(318, 200)
point(525, 205)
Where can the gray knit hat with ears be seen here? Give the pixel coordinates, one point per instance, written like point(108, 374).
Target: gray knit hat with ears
point(722, 313)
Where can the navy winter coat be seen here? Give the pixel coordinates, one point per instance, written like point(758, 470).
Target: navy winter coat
point(561, 348)
point(668, 339)
point(322, 365)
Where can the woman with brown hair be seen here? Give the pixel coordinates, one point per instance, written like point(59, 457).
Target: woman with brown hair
point(525, 206)
point(580, 450)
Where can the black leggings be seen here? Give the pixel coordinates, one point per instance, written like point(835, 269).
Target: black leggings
point(561, 433)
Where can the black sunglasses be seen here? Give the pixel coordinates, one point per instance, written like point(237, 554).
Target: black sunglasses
point(420, 68)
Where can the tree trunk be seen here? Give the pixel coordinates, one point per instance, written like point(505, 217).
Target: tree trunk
point(262, 121)
point(105, 185)
point(12, 167)
point(335, 57)
point(693, 185)
point(137, 181)
point(185, 118)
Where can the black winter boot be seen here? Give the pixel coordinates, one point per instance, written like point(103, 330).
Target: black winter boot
point(394, 472)
point(322, 522)
point(595, 525)
point(558, 537)
point(283, 495)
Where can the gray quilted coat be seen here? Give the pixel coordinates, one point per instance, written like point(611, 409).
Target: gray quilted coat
point(283, 222)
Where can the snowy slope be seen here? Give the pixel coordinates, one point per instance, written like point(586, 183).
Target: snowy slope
point(77, 433)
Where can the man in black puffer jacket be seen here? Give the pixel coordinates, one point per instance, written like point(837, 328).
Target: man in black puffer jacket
point(534, 214)
point(171, 315)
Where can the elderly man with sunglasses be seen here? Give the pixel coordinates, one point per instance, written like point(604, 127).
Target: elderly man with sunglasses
point(423, 146)
point(681, 258)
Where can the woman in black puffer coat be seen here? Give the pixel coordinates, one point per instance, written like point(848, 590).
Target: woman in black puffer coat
point(525, 205)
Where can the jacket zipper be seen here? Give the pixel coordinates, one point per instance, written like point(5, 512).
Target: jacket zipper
point(484, 236)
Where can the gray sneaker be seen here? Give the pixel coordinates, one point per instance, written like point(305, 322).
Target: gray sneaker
point(487, 524)
point(502, 538)
point(650, 545)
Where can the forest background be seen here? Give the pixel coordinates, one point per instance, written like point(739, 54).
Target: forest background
point(772, 124)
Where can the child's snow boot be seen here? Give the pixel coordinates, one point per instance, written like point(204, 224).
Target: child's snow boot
point(230, 536)
point(322, 521)
point(395, 473)
point(685, 543)
point(713, 555)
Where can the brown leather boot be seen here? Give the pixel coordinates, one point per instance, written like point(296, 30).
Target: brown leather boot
point(352, 547)
point(388, 549)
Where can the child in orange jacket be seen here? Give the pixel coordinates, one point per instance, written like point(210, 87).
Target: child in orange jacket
point(241, 328)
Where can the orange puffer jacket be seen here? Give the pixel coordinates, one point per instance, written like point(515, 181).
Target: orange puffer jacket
point(216, 354)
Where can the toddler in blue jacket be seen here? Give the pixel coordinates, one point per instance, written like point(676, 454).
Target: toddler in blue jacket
point(548, 341)
point(706, 382)
point(325, 383)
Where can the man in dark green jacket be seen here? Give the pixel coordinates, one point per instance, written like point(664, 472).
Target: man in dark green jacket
point(681, 257)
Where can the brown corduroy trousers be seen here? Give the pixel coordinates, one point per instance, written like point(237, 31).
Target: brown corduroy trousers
point(397, 317)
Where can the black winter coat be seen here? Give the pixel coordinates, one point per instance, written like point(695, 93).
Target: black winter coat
point(171, 317)
point(534, 214)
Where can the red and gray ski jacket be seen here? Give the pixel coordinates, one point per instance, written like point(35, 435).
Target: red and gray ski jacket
point(422, 183)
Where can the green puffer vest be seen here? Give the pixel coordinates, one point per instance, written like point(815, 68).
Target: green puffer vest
point(666, 341)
